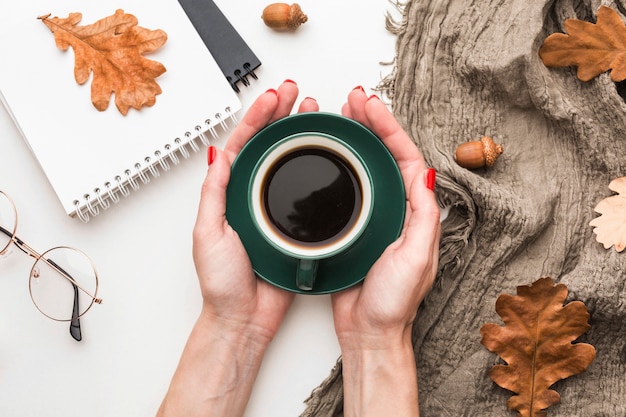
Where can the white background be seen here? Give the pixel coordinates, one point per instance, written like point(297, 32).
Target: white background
point(142, 249)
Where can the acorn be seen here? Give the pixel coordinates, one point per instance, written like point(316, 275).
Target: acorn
point(283, 17)
point(478, 153)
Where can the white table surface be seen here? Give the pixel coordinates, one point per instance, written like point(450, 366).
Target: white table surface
point(142, 249)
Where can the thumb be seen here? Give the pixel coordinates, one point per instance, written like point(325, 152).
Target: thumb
point(212, 209)
point(423, 230)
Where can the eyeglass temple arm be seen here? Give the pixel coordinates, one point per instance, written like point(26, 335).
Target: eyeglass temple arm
point(75, 330)
point(18, 242)
point(75, 323)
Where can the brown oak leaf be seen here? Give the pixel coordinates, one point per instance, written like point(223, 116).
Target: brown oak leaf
point(536, 344)
point(610, 227)
point(112, 49)
point(593, 48)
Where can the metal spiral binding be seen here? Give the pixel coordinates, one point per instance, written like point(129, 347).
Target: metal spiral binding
point(161, 160)
point(242, 77)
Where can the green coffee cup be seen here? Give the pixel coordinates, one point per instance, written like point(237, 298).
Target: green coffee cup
point(310, 196)
point(330, 259)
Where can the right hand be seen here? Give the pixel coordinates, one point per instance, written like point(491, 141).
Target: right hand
point(381, 310)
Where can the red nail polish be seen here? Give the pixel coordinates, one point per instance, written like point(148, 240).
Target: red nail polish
point(374, 96)
point(290, 81)
point(431, 176)
point(310, 98)
point(271, 90)
point(211, 154)
point(359, 87)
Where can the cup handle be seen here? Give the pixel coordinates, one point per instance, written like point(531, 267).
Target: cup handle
point(305, 276)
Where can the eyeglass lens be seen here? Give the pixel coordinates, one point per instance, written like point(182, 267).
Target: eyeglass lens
point(62, 282)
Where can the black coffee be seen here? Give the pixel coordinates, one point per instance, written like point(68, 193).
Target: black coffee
point(312, 196)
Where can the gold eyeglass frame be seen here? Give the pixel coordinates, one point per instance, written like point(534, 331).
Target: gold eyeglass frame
point(24, 247)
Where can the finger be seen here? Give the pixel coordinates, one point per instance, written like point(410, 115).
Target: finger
point(309, 104)
point(212, 208)
point(345, 111)
point(287, 94)
point(356, 102)
point(423, 229)
point(384, 125)
point(256, 118)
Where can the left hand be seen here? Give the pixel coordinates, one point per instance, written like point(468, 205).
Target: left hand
point(231, 292)
point(240, 313)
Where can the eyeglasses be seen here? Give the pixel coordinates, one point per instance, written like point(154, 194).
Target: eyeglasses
point(63, 282)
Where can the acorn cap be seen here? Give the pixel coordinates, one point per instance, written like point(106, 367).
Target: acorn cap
point(491, 150)
point(296, 17)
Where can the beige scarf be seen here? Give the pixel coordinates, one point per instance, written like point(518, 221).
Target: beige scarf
point(468, 68)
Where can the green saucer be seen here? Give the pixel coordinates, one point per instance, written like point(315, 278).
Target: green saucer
point(350, 267)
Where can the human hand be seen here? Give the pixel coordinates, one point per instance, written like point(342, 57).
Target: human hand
point(397, 283)
point(373, 320)
point(240, 313)
point(231, 292)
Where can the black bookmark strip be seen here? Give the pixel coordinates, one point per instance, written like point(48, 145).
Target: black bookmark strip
point(231, 52)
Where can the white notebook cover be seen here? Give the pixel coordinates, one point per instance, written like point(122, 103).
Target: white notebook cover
point(92, 157)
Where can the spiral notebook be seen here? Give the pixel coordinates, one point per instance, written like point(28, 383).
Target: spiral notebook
point(94, 158)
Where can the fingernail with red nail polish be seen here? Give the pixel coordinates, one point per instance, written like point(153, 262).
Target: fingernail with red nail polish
point(211, 154)
point(431, 176)
point(271, 90)
point(290, 81)
point(359, 87)
point(373, 96)
point(310, 98)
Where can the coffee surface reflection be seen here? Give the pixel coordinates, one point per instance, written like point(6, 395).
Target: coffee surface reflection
point(312, 196)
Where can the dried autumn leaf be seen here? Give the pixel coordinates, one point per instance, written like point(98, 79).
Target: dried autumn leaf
point(112, 49)
point(536, 344)
point(593, 48)
point(610, 227)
